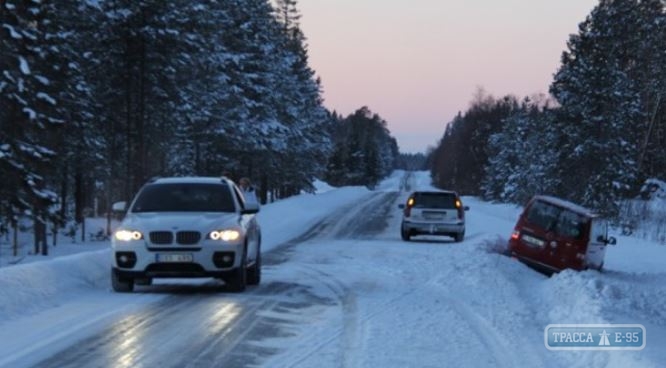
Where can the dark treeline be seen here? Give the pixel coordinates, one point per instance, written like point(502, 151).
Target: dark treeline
point(364, 151)
point(412, 162)
point(96, 97)
point(602, 136)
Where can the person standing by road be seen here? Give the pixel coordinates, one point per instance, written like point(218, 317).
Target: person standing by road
point(248, 190)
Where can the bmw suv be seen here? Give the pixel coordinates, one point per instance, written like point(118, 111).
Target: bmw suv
point(433, 213)
point(187, 227)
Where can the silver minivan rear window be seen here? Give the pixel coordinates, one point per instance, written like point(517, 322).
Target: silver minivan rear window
point(434, 200)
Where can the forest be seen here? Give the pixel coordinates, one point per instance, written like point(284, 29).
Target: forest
point(99, 96)
point(595, 140)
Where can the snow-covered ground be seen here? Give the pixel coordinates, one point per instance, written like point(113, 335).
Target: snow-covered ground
point(427, 303)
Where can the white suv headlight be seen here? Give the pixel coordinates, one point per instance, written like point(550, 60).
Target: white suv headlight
point(128, 235)
point(224, 235)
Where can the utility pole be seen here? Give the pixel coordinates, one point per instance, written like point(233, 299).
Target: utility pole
point(649, 133)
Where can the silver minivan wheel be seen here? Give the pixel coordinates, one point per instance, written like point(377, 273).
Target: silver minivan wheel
point(404, 233)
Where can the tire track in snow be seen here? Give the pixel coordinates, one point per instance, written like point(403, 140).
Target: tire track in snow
point(503, 354)
point(351, 333)
point(327, 227)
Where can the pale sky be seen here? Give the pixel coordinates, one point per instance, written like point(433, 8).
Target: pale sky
point(417, 63)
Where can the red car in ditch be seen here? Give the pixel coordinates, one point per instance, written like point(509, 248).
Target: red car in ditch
point(553, 234)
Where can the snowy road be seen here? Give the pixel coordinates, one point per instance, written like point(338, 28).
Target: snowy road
point(201, 326)
point(348, 292)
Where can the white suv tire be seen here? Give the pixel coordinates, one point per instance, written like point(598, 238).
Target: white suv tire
point(237, 281)
point(121, 285)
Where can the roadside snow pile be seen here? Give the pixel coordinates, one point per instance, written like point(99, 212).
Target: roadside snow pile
point(574, 297)
point(505, 296)
point(32, 287)
point(591, 297)
point(322, 187)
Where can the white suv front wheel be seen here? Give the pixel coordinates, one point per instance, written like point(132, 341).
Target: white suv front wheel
point(237, 281)
point(120, 284)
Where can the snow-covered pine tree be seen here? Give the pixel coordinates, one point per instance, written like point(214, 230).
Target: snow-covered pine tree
point(361, 141)
point(29, 119)
point(249, 132)
point(146, 49)
point(81, 163)
point(649, 71)
point(600, 112)
point(203, 91)
point(462, 154)
point(299, 103)
point(522, 156)
point(505, 149)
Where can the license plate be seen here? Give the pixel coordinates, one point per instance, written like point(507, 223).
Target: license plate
point(433, 217)
point(533, 241)
point(171, 257)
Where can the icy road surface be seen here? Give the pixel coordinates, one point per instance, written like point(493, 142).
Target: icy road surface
point(349, 293)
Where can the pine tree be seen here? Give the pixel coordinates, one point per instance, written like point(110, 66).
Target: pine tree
point(522, 159)
point(29, 119)
point(364, 151)
point(601, 114)
point(80, 165)
point(463, 152)
point(649, 69)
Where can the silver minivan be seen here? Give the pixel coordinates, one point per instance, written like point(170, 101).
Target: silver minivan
point(433, 213)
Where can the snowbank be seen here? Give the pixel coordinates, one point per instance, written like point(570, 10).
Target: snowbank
point(31, 287)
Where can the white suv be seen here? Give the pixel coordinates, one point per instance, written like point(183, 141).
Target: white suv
point(433, 213)
point(187, 227)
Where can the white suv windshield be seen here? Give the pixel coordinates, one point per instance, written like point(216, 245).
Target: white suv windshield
point(184, 197)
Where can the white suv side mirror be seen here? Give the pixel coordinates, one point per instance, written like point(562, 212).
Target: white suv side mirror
point(119, 206)
point(250, 208)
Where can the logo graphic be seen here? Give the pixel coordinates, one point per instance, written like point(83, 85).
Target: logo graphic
point(604, 339)
point(594, 337)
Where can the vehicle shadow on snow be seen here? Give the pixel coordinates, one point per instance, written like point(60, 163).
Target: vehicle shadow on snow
point(441, 238)
point(167, 287)
point(430, 239)
point(277, 290)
